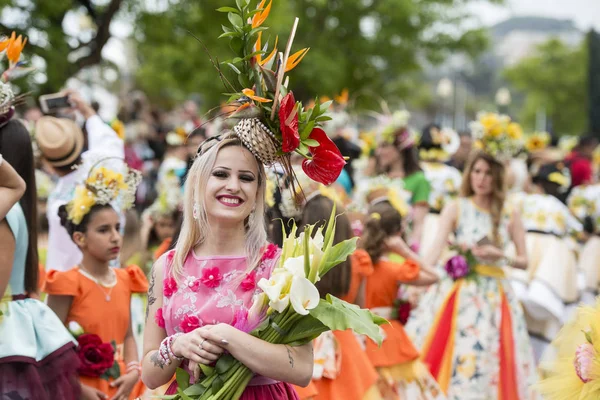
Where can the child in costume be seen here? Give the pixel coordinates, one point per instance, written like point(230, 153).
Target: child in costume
point(470, 327)
point(402, 375)
point(342, 369)
point(94, 296)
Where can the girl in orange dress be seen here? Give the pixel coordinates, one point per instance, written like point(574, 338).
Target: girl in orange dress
point(96, 297)
point(342, 368)
point(402, 375)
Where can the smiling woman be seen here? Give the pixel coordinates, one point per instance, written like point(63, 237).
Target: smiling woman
point(202, 292)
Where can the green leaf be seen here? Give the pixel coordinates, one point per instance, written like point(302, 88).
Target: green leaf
point(206, 370)
point(338, 254)
point(302, 149)
point(329, 231)
point(195, 390)
point(306, 131)
point(226, 28)
point(323, 118)
point(217, 385)
point(256, 30)
point(235, 20)
point(183, 395)
point(338, 315)
point(304, 330)
point(229, 34)
point(183, 378)
point(241, 4)
point(311, 142)
point(228, 9)
point(588, 337)
point(243, 79)
point(306, 251)
point(325, 106)
point(234, 68)
point(224, 363)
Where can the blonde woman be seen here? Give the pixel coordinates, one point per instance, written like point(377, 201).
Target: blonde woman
point(199, 289)
point(471, 329)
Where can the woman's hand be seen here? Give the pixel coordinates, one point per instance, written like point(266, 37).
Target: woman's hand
point(90, 393)
point(201, 346)
point(487, 252)
point(125, 383)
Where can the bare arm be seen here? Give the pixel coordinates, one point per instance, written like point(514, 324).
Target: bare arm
point(517, 234)
point(60, 305)
point(420, 212)
point(445, 227)
point(11, 189)
point(427, 275)
point(7, 254)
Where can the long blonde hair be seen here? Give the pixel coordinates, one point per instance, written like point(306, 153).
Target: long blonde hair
point(195, 231)
point(498, 194)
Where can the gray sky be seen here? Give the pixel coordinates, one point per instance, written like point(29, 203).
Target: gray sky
point(585, 13)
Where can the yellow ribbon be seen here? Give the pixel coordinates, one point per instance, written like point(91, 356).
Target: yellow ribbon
point(490, 271)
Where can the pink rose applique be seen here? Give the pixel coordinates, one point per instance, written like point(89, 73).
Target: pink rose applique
point(249, 282)
point(169, 287)
point(211, 277)
point(195, 285)
point(159, 319)
point(270, 252)
point(189, 323)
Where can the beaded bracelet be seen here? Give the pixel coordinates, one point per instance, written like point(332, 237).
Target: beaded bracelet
point(165, 351)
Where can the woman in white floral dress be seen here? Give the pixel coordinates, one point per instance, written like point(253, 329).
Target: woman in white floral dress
point(471, 331)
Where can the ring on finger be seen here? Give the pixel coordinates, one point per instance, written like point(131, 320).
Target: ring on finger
point(201, 343)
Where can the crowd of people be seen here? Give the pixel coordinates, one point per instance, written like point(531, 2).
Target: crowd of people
point(130, 247)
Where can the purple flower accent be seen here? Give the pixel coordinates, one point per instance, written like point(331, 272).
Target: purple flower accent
point(457, 267)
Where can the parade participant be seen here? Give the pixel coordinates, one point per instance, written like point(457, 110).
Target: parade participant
point(550, 279)
point(470, 327)
point(37, 354)
point(94, 296)
point(580, 160)
point(436, 145)
point(61, 143)
point(402, 375)
point(397, 158)
point(342, 369)
point(584, 203)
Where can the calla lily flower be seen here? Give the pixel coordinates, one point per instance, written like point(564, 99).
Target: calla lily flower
point(259, 18)
point(327, 162)
point(295, 59)
point(250, 94)
point(274, 286)
point(281, 303)
point(14, 49)
point(295, 266)
point(304, 295)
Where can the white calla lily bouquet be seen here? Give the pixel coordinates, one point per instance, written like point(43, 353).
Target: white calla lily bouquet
point(288, 311)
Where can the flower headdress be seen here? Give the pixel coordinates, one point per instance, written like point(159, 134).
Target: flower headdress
point(537, 141)
point(393, 128)
point(176, 137)
point(376, 189)
point(497, 135)
point(103, 186)
point(441, 146)
point(267, 118)
point(556, 173)
point(11, 48)
point(169, 197)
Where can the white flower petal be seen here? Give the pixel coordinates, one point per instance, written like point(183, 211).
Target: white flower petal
point(295, 265)
point(304, 295)
point(281, 303)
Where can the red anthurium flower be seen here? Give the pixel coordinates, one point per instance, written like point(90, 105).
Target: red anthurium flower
point(288, 121)
point(327, 161)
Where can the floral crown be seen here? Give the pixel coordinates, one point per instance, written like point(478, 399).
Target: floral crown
point(169, 197)
point(537, 141)
point(497, 135)
point(379, 188)
point(103, 186)
point(266, 116)
point(393, 127)
point(11, 48)
point(445, 142)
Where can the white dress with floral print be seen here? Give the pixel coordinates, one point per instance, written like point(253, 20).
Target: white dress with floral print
point(475, 354)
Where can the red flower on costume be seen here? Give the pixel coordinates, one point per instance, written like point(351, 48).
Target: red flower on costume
point(159, 319)
point(190, 323)
point(195, 286)
point(211, 277)
point(169, 287)
point(249, 282)
point(327, 161)
point(404, 309)
point(95, 357)
point(269, 252)
point(289, 126)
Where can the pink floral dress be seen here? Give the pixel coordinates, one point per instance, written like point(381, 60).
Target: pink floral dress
point(218, 290)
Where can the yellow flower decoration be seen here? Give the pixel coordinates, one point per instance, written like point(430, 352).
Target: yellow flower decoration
point(81, 204)
point(537, 141)
point(514, 131)
point(540, 219)
point(560, 220)
point(118, 127)
point(270, 193)
point(559, 179)
point(107, 178)
point(433, 155)
point(397, 202)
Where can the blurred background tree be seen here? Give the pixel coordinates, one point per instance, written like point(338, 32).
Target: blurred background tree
point(553, 82)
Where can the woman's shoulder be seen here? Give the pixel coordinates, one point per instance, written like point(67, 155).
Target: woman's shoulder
point(133, 277)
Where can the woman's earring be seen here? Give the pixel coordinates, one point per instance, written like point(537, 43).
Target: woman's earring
point(195, 211)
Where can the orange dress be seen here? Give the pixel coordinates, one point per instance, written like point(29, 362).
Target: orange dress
point(362, 267)
point(162, 248)
point(307, 393)
point(103, 312)
point(381, 291)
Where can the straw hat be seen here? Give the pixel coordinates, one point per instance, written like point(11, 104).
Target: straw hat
point(60, 140)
